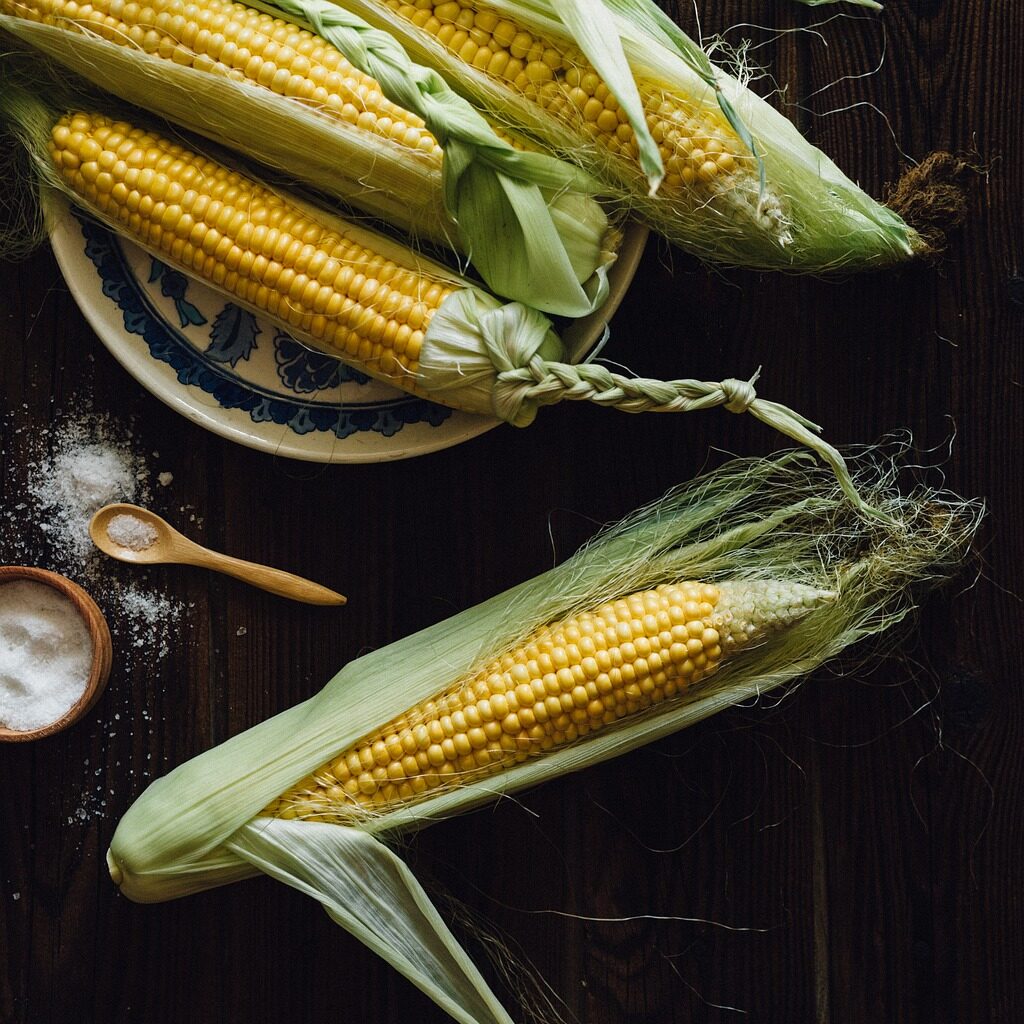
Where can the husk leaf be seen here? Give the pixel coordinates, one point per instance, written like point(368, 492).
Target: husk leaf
point(592, 27)
point(779, 518)
point(370, 892)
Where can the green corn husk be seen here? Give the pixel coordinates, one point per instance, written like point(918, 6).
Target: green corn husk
point(478, 355)
point(794, 210)
point(526, 220)
point(774, 519)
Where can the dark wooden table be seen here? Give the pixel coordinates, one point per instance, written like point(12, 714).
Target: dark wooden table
point(849, 855)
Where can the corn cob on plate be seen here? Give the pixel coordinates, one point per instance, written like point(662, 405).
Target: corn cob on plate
point(265, 391)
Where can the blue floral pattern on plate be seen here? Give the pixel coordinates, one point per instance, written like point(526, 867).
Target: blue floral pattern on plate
point(233, 335)
point(209, 357)
point(304, 371)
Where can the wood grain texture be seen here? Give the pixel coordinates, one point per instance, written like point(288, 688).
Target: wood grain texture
point(849, 854)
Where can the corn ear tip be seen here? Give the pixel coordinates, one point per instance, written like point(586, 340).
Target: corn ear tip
point(116, 874)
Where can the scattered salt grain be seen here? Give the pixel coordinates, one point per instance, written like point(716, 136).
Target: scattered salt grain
point(165, 479)
point(131, 532)
point(45, 655)
point(91, 465)
point(149, 618)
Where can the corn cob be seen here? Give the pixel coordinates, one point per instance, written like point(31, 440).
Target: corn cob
point(247, 240)
point(344, 136)
point(348, 291)
point(225, 38)
point(736, 529)
point(572, 678)
point(712, 136)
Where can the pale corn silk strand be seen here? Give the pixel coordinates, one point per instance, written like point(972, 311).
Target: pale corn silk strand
point(782, 518)
point(497, 195)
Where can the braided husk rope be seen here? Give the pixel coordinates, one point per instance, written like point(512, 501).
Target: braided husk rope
point(541, 383)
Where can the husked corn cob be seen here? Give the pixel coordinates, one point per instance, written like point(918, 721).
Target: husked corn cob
point(231, 39)
point(620, 90)
point(571, 678)
point(221, 817)
point(704, 159)
point(252, 243)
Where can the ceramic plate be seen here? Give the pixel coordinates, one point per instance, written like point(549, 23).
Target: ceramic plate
point(247, 380)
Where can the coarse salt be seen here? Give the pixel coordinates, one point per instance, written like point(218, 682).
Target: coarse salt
point(131, 532)
point(90, 466)
point(45, 655)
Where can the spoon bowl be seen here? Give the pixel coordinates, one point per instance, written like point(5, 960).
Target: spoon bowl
point(163, 549)
point(170, 546)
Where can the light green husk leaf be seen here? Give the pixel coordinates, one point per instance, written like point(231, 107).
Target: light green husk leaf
point(527, 221)
point(370, 892)
point(782, 518)
point(798, 212)
point(592, 27)
point(479, 354)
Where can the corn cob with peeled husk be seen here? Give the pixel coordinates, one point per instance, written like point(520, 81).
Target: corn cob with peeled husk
point(618, 87)
point(733, 585)
point(340, 288)
point(283, 96)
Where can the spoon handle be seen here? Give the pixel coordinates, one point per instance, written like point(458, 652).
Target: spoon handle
point(276, 581)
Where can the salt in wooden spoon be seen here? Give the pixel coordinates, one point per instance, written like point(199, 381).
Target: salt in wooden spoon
point(173, 547)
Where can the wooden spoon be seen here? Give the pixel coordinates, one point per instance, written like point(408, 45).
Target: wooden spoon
point(172, 547)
